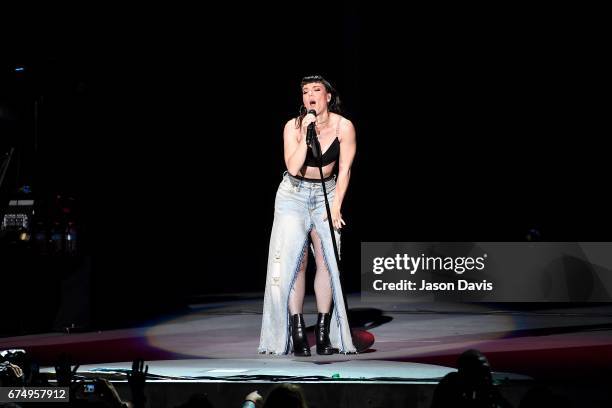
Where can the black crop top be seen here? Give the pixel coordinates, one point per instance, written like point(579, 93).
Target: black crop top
point(330, 155)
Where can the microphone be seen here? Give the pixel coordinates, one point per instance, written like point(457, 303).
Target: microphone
point(312, 112)
point(310, 134)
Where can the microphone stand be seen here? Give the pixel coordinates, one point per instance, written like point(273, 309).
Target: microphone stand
point(316, 152)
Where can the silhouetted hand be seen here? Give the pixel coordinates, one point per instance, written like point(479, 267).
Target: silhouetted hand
point(10, 375)
point(108, 393)
point(255, 398)
point(63, 373)
point(137, 379)
point(33, 377)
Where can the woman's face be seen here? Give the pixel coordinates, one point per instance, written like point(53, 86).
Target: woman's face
point(315, 96)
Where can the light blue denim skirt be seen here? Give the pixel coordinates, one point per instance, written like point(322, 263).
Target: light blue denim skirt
point(299, 207)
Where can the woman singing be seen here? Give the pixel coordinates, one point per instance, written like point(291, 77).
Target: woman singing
point(300, 222)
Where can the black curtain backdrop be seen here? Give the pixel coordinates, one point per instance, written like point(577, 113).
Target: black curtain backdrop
point(167, 125)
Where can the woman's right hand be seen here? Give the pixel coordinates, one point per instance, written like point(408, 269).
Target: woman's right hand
point(308, 119)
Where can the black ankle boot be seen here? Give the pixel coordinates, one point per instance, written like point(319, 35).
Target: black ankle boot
point(323, 344)
point(301, 348)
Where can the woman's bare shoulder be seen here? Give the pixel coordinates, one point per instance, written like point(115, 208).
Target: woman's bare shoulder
point(343, 120)
point(345, 127)
point(291, 124)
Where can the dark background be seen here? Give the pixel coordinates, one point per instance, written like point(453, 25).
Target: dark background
point(165, 126)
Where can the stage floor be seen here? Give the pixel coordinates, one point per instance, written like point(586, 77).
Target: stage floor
point(414, 342)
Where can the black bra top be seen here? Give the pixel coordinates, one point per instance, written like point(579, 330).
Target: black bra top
point(331, 155)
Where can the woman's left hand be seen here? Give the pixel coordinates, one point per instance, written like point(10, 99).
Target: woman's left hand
point(337, 220)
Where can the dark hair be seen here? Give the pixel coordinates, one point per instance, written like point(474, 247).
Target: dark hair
point(197, 401)
point(474, 367)
point(285, 396)
point(334, 103)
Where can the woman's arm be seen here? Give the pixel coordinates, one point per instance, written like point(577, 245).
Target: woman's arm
point(295, 148)
point(348, 148)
